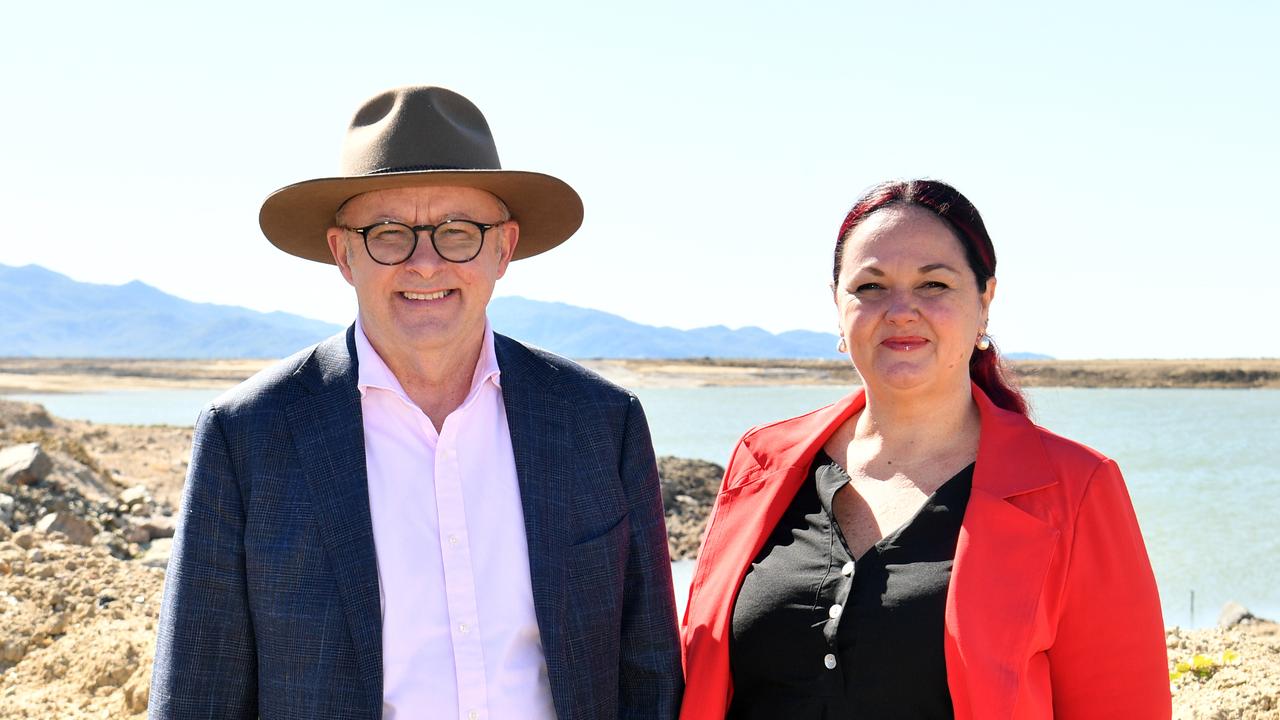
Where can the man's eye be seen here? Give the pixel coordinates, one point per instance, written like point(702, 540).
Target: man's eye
point(391, 235)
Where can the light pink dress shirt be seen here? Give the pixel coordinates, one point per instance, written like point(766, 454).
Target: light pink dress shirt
point(459, 634)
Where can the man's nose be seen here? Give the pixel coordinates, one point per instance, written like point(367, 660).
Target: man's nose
point(425, 259)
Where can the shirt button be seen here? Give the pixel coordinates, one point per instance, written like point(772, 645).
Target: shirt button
point(829, 661)
point(464, 628)
point(847, 570)
point(473, 715)
point(453, 539)
point(835, 611)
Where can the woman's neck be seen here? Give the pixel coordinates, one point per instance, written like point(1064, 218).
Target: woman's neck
point(909, 427)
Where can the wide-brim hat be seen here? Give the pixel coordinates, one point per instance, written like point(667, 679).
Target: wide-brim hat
point(419, 136)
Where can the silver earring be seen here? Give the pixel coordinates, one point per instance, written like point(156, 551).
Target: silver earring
point(984, 342)
point(842, 346)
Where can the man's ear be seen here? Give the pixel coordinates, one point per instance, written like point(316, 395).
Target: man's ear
point(510, 237)
point(340, 248)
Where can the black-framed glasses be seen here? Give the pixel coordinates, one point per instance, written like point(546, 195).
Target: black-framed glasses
point(391, 243)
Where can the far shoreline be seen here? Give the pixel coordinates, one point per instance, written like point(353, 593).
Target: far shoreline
point(78, 375)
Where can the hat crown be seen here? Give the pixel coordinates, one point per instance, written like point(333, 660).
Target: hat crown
point(418, 128)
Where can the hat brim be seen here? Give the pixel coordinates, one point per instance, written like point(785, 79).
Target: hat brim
point(296, 218)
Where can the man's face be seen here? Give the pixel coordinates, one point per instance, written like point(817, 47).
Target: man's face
point(425, 303)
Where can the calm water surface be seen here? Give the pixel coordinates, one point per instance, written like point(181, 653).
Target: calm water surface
point(1201, 466)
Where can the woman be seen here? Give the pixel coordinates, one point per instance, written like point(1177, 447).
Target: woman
point(920, 549)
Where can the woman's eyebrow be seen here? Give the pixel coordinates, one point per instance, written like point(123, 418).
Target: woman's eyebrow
point(938, 266)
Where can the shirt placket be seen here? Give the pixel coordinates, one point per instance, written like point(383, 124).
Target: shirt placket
point(838, 590)
point(459, 581)
point(837, 594)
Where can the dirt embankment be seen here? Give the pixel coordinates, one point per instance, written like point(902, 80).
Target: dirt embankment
point(80, 594)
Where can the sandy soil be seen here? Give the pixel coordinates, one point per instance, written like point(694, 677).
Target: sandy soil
point(24, 375)
point(77, 622)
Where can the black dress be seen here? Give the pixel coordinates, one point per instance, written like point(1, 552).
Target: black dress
point(817, 635)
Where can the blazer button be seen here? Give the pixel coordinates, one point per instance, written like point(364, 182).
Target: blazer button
point(835, 611)
point(847, 570)
point(829, 661)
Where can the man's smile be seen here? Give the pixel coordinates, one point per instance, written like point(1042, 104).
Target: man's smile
point(437, 295)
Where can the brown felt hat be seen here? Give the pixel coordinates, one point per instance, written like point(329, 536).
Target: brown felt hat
point(419, 136)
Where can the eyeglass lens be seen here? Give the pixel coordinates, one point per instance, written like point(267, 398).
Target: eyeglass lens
point(393, 243)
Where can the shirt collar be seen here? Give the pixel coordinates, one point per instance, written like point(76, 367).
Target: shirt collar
point(373, 371)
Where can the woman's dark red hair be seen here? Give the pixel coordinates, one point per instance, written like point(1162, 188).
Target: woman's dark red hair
point(986, 368)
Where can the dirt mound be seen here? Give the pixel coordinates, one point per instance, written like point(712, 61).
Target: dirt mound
point(1226, 674)
point(77, 630)
point(689, 489)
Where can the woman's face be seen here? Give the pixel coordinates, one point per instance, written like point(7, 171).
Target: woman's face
point(909, 306)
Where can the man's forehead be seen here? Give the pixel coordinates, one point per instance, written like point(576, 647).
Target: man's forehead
point(430, 198)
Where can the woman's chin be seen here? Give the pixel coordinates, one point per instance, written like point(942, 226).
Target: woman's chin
point(900, 377)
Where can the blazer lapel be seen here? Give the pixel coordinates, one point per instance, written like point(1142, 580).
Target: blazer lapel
point(328, 434)
point(1002, 556)
point(756, 493)
point(541, 441)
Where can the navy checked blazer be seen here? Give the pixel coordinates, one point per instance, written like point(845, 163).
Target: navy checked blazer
point(271, 604)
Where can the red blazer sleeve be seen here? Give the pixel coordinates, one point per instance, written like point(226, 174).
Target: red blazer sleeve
point(1108, 659)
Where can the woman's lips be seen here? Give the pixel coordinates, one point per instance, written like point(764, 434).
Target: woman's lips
point(904, 343)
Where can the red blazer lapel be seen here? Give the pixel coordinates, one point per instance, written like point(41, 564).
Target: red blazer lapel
point(1002, 558)
point(759, 484)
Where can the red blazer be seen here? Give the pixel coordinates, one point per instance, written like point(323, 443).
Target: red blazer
point(1052, 608)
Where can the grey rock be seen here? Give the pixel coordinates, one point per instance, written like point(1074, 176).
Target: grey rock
point(114, 544)
point(77, 531)
point(25, 539)
point(1233, 613)
point(137, 534)
point(24, 464)
point(157, 554)
point(135, 494)
point(159, 526)
point(6, 509)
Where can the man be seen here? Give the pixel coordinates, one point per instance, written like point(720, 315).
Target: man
point(420, 518)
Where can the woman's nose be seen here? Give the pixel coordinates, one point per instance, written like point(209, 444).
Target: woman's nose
point(902, 308)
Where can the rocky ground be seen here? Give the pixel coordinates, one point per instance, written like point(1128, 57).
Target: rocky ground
point(86, 519)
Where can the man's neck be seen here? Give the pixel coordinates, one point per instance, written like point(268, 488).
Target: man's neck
point(437, 381)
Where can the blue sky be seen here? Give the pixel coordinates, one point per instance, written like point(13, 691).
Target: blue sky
point(1122, 154)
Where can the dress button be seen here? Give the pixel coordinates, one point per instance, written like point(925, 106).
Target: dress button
point(829, 661)
point(847, 570)
point(835, 611)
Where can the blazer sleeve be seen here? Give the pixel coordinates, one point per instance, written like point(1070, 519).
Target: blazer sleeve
point(650, 675)
point(205, 662)
point(1109, 659)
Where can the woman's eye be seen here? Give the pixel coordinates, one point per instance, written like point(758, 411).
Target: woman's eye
point(934, 285)
point(867, 287)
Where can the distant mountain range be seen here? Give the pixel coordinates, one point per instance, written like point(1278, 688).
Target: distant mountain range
point(584, 333)
point(50, 315)
point(46, 314)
